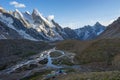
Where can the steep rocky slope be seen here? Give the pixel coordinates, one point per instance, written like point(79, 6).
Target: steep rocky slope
point(112, 31)
point(34, 26)
point(90, 32)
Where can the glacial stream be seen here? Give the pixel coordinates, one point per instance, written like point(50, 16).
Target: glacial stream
point(49, 64)
point(35, 60)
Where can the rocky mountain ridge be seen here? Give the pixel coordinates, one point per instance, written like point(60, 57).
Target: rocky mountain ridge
point(18, 25)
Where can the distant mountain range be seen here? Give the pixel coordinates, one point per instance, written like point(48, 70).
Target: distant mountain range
point(18, 25)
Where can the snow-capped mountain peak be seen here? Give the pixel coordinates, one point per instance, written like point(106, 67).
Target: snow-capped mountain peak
point(27, 12)
point(90, 32)
point(97, 24)
point(18, 12)
point(37, 27)
point(36, 12)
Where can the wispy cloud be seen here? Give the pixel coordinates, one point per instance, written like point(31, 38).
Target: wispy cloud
point(51, 17)
point(17, 4)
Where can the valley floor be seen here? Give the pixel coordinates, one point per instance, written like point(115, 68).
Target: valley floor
point(40, 68)
point(107, 75)
point(70, 60)
point(40, 63)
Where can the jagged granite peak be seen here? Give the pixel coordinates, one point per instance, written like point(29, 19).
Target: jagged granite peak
point(27, 12)
point(28, 17)
point(71, 33)
point(36, 12)
point(20, 16)
point(14, 25)
point(97, 24)
point(17, 11)
point(37, 27)
point(39, 18)
point(90, 32)
point(60, 30)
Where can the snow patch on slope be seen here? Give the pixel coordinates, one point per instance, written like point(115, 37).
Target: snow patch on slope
point(9, 21)
point(28, 17)
point(37, 13)
point(20, 14)
point(100, 32)
point(86, 35)
point(2, 36)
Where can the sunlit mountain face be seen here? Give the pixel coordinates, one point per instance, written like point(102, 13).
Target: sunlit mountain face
point(36, 47)
point(39, 28)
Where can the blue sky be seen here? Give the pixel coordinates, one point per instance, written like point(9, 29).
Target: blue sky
point(71, 13)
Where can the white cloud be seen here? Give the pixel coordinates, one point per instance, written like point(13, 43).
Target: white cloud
point(17, 5)
point(51, 17)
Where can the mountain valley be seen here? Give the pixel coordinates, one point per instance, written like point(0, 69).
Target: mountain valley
point(34, 47)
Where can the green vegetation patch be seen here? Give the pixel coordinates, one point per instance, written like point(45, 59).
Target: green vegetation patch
point(63, 61)
point(74, 46)
point(44, 61)
point(99, 51)
point(110, 75)
point(55, 54)
point(29, 53)
point(95, 51)
point(116, 62)
point(37, 75)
